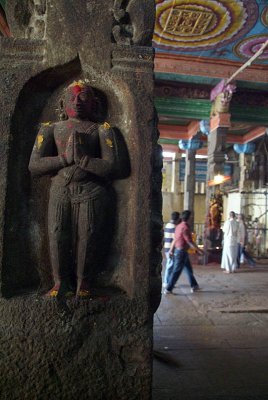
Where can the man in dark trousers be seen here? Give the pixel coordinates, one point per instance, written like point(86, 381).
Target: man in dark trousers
point(181, 243)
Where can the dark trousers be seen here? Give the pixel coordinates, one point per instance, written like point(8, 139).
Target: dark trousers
point(242, 250)
point(181, 261)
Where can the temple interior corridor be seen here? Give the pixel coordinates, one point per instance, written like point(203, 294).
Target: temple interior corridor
point(114, 114)
point(213, 344)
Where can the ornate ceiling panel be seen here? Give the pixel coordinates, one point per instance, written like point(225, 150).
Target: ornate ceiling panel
point(225, 29)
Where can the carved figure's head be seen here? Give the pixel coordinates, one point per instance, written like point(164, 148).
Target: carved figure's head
point(231, 87)
point(227, 94)
point(79, 100)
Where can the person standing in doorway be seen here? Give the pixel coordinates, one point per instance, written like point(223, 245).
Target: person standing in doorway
point(242, 242)
point(169, 232)
point(257, 234)
point(229, 252)
point(181, 243)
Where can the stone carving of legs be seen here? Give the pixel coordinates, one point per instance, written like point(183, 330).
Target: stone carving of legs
point(90, 235)
point(76, 226)
point(60, 238)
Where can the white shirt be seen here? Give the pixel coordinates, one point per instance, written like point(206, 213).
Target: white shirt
point(230, 229)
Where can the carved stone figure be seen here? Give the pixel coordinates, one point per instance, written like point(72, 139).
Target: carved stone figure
point(213, 222)
point(79, 155)
point(215, 211)
point(222, 101)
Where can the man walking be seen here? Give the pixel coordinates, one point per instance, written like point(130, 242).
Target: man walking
point(169, 232)
point(181, 243)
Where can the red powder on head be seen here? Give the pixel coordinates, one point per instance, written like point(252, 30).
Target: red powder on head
point(70, 112)
point(76, 89)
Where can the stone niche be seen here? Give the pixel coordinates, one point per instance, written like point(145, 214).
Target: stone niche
point(99, 347)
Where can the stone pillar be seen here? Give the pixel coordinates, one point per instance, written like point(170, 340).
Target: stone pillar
point(98, 347)
point(219, 125)
point(177, 183)
point(189, 183)
point(245, 183)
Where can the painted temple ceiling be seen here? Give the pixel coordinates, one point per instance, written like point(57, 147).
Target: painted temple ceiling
point(226, 29)
point(198, 43)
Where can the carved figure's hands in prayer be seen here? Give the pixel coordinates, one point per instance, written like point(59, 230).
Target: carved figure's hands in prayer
point(68, 155)
point(78, 149)
point(70, 151)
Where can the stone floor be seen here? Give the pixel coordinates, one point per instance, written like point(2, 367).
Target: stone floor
point(213, 344)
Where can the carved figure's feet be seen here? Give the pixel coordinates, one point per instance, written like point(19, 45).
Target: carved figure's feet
point(83, 289)
point(83, 293)
point(56, 289)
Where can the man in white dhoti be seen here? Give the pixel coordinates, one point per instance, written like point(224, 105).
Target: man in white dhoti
point(229, 252)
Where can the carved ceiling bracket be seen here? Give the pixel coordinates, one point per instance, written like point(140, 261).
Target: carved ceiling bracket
point(122, 30)
point(128, 27)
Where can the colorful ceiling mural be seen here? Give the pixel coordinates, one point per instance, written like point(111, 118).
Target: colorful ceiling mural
point(198, 43)
point(225, 29)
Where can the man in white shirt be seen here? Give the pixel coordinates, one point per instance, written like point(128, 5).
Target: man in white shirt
point(229, 252)
point(169, 232)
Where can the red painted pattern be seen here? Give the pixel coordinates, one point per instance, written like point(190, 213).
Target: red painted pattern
point(76, 89)
point(71, 113)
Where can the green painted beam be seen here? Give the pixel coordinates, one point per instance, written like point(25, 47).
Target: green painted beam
point(3, 3)
point(256, 115)
point(197, 109)
point(168, 141)
point(183, 108)
point(174, 121)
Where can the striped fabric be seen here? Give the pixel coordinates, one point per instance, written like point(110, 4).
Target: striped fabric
point(168, 235)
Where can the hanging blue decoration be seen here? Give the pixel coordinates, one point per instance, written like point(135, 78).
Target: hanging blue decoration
point(247, 148)
point(192, 144)
point(205, 126)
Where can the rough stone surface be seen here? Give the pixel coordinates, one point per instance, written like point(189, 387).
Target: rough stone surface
point(88, 349)
point(51, 348)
